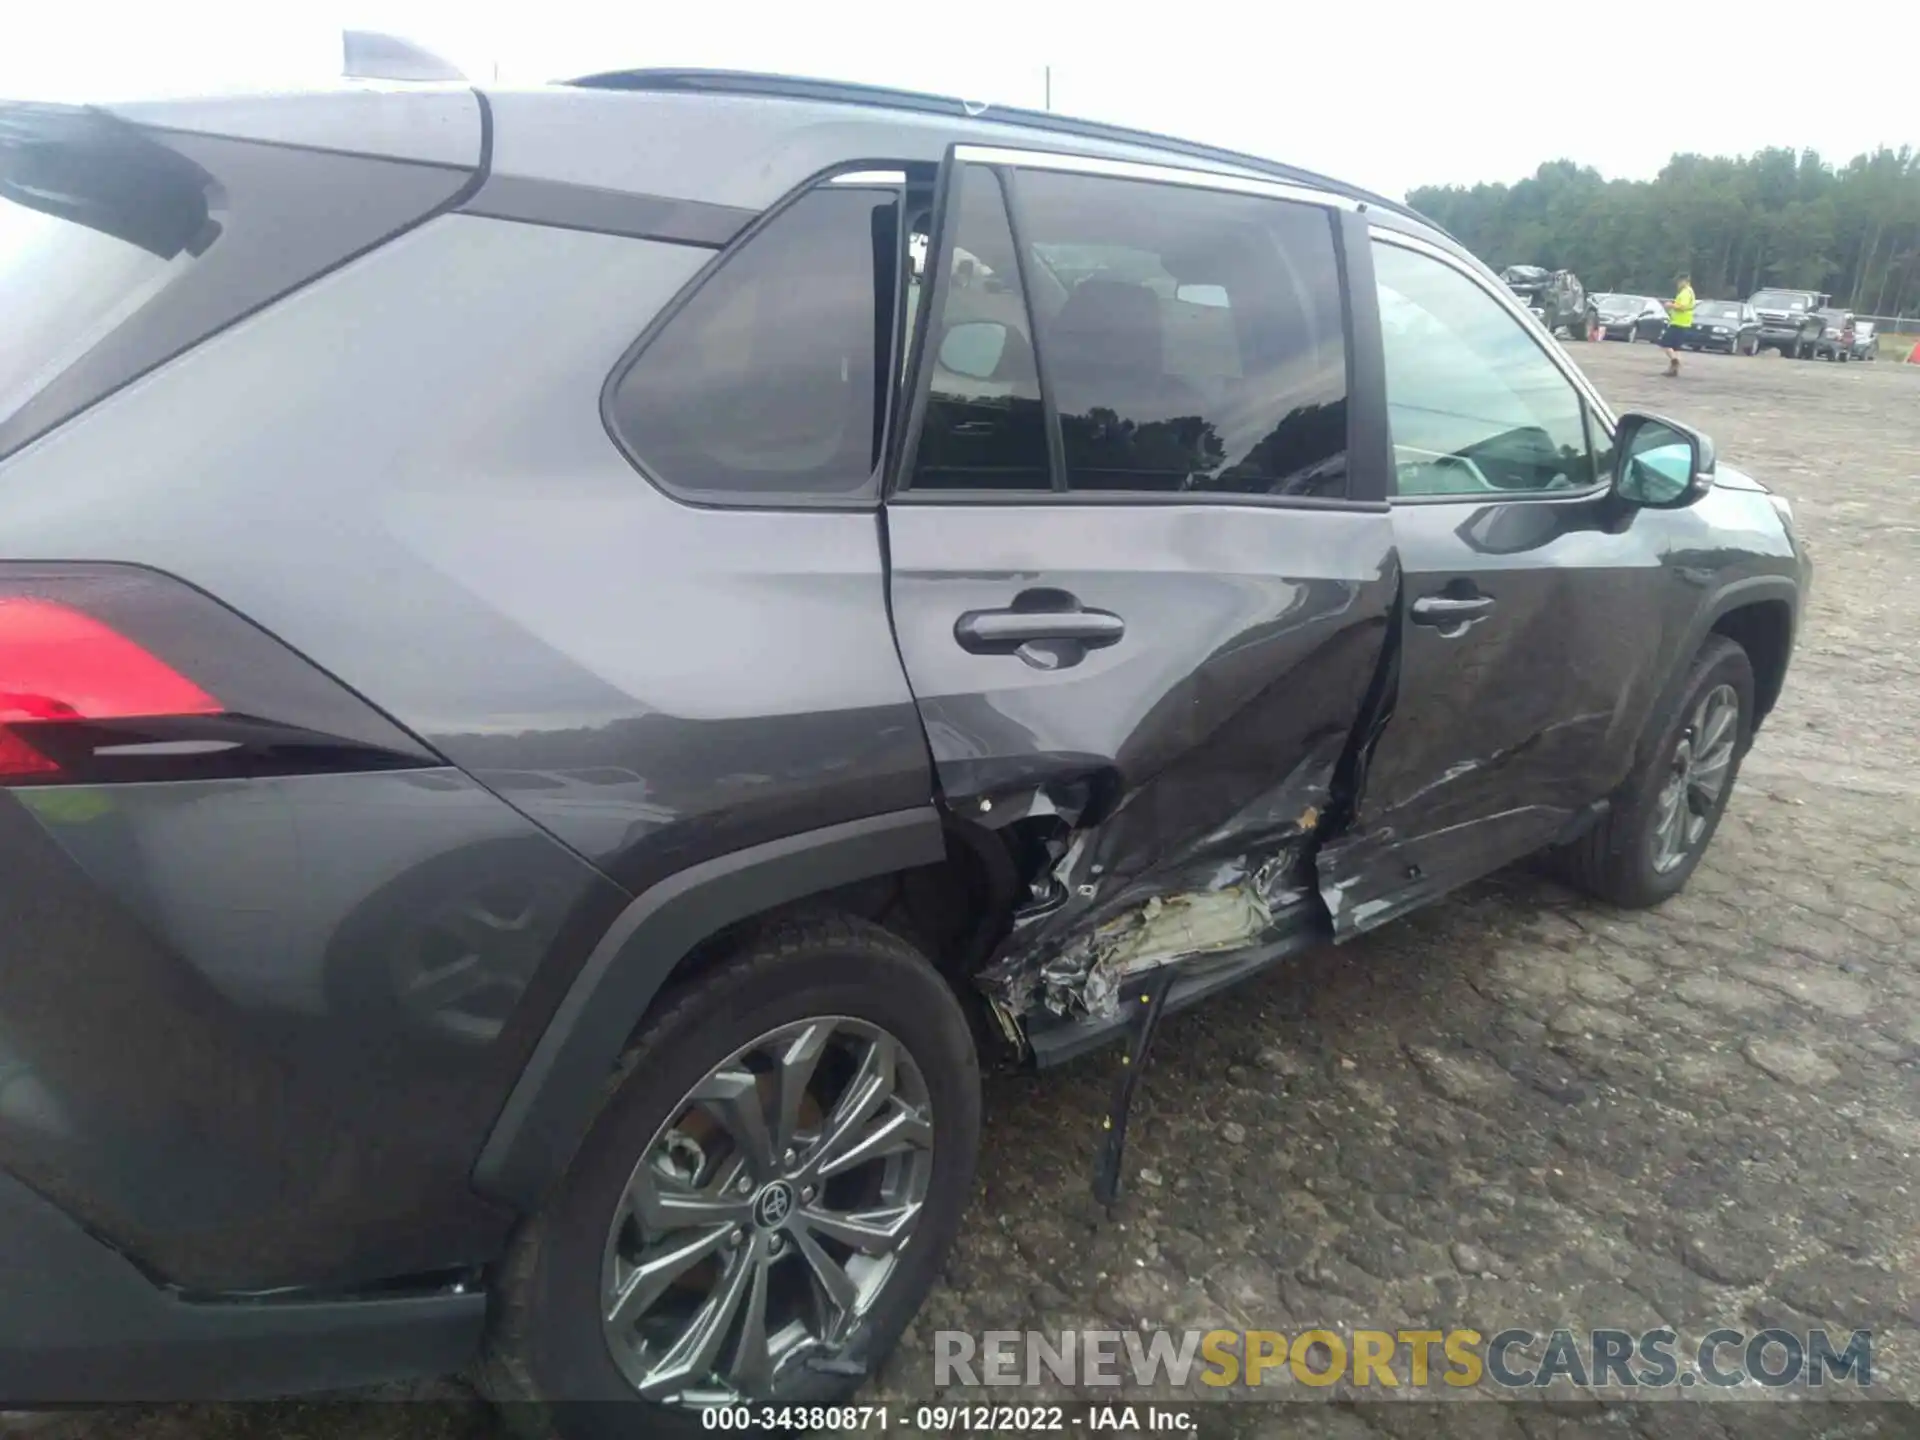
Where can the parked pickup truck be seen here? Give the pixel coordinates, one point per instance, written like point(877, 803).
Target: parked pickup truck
point(1789, 320)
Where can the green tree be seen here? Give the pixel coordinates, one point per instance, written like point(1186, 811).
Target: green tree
point(1775, 217)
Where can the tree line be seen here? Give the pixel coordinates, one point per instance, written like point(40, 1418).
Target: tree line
point(1737, 225)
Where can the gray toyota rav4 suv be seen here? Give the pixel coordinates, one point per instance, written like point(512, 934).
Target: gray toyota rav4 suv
point(567, 654)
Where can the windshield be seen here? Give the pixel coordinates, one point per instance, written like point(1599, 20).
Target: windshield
point(1720, 309)
point(95, 219)
point(1620, 304)
point(1779, 300)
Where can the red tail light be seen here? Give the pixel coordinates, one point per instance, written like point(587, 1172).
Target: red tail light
point(59, 665)
point(115, 674)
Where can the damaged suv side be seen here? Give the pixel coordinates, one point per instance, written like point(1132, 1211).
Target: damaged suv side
point(850, 578)
point(1250, 609)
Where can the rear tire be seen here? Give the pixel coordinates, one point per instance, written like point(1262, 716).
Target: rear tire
point(549, 1360)
point(1619, 860)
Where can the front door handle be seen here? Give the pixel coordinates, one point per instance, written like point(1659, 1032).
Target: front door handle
point(1048, 629)
point(1447, 610)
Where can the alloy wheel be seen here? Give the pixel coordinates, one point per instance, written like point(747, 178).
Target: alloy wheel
point(767, 1215)
point(1696, 779)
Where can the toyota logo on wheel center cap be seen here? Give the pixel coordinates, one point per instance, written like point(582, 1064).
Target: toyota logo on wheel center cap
point(773, 1206)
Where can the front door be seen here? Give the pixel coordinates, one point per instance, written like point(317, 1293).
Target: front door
point(1141, 573)
point(1530, 623)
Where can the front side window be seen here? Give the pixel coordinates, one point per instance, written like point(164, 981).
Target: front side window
point(1475, 405)
point(768, 385)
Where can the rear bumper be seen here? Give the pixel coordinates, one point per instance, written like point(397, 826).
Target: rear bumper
point(79, 1323)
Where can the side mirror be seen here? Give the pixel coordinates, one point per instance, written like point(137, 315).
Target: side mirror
point(973, 348)
point(1660, 464)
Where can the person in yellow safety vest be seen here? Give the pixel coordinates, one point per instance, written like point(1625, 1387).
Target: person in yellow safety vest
point(1679, 329)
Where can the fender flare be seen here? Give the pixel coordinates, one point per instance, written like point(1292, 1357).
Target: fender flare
point(1725, 600)
point(559, 1091)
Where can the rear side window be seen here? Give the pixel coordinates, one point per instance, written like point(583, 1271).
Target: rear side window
point(768, 385)
point(122, 246)
point(983, 428)
point(1194, 339)
point(1191, 342)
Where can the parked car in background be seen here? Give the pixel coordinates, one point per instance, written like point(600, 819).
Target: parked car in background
point(1865, 346)
point(1627, 317)
point(1729, 325)
point(1836, 335)
point(1556, 296)
point(415, 962)
point(1789, 320)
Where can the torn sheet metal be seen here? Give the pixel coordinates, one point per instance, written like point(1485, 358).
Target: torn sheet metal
point(1117, 913)
point(1086, 976)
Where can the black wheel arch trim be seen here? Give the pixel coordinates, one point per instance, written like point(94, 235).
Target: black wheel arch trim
point(1734, 596)
point(1741, 593)
point(548, 1112)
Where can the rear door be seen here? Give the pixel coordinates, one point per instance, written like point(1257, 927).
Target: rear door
point(1532, 620)
point(1141, 567)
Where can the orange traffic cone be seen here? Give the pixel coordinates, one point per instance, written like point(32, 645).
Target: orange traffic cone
point(1913, 356)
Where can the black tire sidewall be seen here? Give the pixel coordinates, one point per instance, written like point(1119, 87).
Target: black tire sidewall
point(1719, 662)
point(889, 987)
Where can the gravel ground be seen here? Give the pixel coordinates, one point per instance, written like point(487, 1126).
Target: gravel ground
point(1518, 1107)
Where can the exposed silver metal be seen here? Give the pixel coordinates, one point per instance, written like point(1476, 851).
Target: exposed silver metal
point(1697, 777)
point(816, 1153)
point(1159, 174)
point(369, 55)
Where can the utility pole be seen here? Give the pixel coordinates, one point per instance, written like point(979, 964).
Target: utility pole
point(1049, 86)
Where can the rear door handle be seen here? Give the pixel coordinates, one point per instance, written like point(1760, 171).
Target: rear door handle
point(1450, 609)
point(1049, 629)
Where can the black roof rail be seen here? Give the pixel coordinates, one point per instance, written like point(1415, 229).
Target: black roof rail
point(789, 87)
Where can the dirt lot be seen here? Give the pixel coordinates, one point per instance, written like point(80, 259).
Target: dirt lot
point(1519, 1108)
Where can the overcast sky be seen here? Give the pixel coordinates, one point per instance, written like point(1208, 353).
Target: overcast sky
point(1388, 95)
